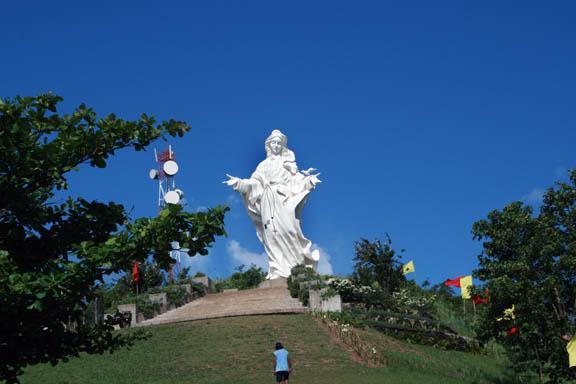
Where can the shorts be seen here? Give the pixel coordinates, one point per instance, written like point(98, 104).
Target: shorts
point(281, 376)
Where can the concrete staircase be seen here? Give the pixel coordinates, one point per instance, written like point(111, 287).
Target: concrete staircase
point(271, 297)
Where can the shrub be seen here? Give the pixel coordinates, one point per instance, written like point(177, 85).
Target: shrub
point(301, 280)
point(198, 289)
point(176, 295)
point(242, 279)
point(378, 266)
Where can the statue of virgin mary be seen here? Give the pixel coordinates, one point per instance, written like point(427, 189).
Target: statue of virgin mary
point(274, 196)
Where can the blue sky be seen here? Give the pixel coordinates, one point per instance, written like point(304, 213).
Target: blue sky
point(421, 116)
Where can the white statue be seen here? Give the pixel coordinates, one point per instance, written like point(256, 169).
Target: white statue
point(274, 196)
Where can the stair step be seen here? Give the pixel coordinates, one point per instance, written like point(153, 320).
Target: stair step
point(270, 298)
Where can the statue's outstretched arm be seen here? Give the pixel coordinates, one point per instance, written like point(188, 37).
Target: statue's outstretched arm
point(309, 171)
point(313, 180)
point(240, 185)
point(232, 181)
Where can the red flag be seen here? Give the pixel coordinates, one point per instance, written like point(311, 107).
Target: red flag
point(135, 273)
point(512, 331)
point(479, 299)
point(482, 300)
point(453, 282)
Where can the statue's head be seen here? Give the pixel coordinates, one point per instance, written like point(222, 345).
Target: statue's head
point(276, 143)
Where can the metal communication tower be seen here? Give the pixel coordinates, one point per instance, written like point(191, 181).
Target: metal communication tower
point(165, 173)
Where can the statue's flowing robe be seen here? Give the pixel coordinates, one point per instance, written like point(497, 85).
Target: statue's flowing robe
point(274, 197)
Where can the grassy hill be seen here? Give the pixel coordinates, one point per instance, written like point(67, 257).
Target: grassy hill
point(239, 350)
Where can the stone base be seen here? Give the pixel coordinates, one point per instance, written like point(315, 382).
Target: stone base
point(276, 283)
point(329, 304)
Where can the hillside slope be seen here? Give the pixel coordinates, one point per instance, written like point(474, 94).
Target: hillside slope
point(239, 350)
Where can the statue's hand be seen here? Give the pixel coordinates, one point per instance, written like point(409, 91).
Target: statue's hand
point(313, 179)
point(309, 171)
point(232, 181)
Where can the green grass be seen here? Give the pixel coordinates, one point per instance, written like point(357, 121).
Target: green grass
point(454, 317)
point(239, 350)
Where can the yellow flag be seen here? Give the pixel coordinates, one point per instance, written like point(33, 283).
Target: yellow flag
point(571, 348)
point(508, 314)
point(408, 267)
point(465, 282)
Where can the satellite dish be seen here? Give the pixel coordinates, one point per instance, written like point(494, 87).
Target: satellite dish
point(153, 174)
point(172, 197)
point(170, 167)
point(179, 192)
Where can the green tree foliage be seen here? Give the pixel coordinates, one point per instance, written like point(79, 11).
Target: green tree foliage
point(301, 280)
point(242, 278)
point(529, 262)
point(377, 265)
point(53, 254)
point(149, 276)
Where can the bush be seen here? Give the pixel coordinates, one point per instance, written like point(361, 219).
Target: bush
point(176, 295)
point(412, 299)
point(146, 307)
point(242, 279)
point(198, 289)
point(346, 317)
point(301, 280)
point(143, 305)
point(378, 266)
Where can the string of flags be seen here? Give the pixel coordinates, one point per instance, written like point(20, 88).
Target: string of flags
point(135, 273)
point(462, 282)
point(571, 349)
point(465, 285)
point(465, 282)
point(512, 331)
point(508, 314)
point(408, 267)
point(481, 299)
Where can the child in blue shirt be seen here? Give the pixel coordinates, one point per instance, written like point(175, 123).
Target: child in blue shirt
point(282, 364)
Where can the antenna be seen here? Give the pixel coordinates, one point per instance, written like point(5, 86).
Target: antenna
point(165, 172)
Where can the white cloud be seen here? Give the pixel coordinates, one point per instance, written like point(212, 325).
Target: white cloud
point(242, 256)
point(324, 264)
point(196, 263)
point(534, 197)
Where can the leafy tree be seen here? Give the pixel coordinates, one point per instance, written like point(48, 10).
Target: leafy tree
point(150, 277)
point(249, 278)
point(54, 254)
point(242, 279)
point(377, 265)
point(529, 262)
